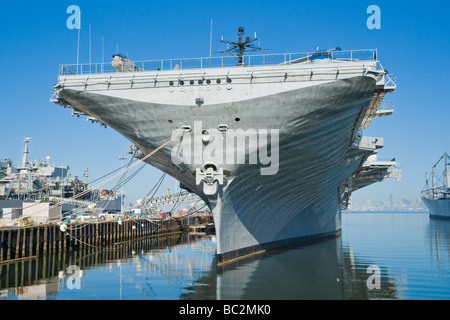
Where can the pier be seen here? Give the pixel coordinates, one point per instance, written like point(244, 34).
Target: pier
point(37, 277)
point(20, 243)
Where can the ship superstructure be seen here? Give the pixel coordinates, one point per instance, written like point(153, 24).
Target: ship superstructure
point(273, 143)
point(437, 196)
point(39, 181)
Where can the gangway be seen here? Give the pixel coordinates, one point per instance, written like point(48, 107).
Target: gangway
point(168, 198)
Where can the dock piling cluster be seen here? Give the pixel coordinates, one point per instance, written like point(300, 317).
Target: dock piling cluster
point(22, 243)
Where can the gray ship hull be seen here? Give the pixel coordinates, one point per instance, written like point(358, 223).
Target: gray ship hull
point(305, 117)
point(438, 208)
point(252, 212)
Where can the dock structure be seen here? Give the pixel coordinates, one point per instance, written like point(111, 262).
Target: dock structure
point(34, 278)
point(29, 242)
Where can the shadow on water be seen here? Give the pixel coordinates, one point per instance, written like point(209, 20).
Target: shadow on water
point(323, 270)
point(438, 238)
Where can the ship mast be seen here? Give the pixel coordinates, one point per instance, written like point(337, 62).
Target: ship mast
point(446, 175)
point(25, 153)
point(240, 47)
point(433, 181)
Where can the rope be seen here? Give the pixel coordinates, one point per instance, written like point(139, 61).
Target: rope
point(157, 185)
point(129, 167)
point(87, 244)
point(176, 202)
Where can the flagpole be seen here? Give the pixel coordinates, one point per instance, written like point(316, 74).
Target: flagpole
point(103, 53)
point(210, 43)
point(90, 60)
point(78, 49)
point(210, 39)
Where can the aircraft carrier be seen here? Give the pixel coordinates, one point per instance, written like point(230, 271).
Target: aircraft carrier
point(272, 143)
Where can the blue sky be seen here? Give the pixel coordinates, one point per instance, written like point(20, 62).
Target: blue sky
point(413, 43)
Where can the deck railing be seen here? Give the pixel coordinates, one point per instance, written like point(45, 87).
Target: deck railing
point(386, 105)
point(390, 81)
point(217, 62)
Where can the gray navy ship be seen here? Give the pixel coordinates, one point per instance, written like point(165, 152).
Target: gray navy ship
point(38, 181)
point(437, 197)
point(272, 143)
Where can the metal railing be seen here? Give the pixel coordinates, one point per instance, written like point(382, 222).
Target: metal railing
point(386, 105)
point(218, 62)
point(390, 81)
point(441, 192)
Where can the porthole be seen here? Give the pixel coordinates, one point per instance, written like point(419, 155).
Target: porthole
point(170, 121)
point(228, 80)
point(237, 119)
point(218, 81)
point(208, 81)
point(200, 82)
point(191, 82)
point(181, 82)
point(170, 83)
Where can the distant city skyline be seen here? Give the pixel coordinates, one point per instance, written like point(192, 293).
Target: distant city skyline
point(390, 204)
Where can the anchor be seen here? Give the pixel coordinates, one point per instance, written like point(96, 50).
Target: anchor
point(211, 176)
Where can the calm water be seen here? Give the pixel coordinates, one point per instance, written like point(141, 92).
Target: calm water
point(411, 252)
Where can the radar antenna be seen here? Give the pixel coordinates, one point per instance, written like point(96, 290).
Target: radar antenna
point(241, 46)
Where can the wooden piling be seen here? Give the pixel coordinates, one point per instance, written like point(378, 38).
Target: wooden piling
point(88, 234)
point(2, 242)
point(24, 242)
point(38, 240)
point(45, 240)
point(95, 235)
point(60, 237)
point(17, 249)
point(54, 238)
point(111, 230)
point(31, 244)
